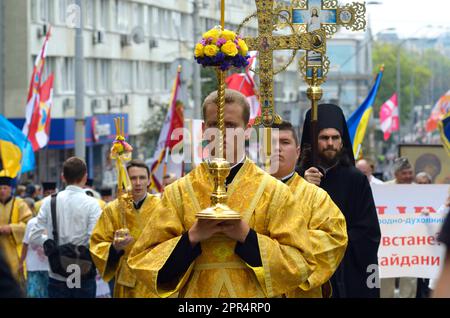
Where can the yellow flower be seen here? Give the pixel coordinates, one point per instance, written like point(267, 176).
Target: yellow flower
point(228, 35)
point(229, 48)
point(213, 34)
point(199, 50)
point(211, 50)
point(243, 46)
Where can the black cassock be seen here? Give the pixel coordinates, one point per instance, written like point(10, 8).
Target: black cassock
point(350, 190)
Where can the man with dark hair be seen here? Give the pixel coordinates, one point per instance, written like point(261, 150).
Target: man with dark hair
point(350, 190)
point(107, 194)
point(169, 179)
point(109, 250)
point(266, 253)
point(48, 189)
point(326, 223)
point(14, 215)
point(76, 216)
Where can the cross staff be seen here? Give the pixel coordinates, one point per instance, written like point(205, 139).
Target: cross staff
point(265, 43)
point(309, 15)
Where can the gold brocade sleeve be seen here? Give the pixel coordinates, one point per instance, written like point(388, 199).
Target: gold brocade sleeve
point(156, 243)
point(101, 241)
point(21, 215)
point(286, 251)
point(328, 235)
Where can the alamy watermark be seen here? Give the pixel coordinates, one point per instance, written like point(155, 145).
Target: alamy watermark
point(73, 16)
point(260, 145)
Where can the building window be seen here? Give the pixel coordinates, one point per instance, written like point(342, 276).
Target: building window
point(63, 5)
point(156, 21)
point(103, 15)
point(146, 19)
point(186, 27)
point(138, 15)
point(167, 23)
point(166, 78)
point(89, 72)
point(115, 15)
point(34, 11)
point(89, 13)
point(125, 78)
point(123, 14)
point(143, 76)
point(176, 22)
point(46, 11)
point(103, 80)
point(67, 75)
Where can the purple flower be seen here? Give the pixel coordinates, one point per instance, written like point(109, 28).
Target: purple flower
point(221, 41)
point(203, 42)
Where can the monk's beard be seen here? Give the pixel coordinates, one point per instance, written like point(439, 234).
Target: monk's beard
point(329, 161)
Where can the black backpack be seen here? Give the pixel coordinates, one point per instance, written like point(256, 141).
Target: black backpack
point(60, 257)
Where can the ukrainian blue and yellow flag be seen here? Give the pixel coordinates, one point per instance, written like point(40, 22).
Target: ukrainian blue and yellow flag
point(16, 153)
point(444, 128)
point(358, 121)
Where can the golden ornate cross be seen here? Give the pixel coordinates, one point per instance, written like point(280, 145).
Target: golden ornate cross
point(266, 43)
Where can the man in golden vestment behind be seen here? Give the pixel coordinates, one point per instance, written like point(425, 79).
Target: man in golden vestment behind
point(264, 254)
point(326, 223)
point(14, 215)
point(110, 254)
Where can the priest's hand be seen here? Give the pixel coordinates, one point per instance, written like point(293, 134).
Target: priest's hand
point(120, 245)
point(235, 229)
point(203, 230)
point(313, 175)
point(5, 230)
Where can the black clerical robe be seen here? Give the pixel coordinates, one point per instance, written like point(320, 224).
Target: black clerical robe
point(351, 192)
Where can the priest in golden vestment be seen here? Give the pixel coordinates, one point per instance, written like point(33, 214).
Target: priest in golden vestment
point(264, 254)
point(110, 254)
point(14, 215)
point(326, 223)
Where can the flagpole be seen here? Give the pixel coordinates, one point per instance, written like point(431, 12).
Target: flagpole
point(80, 138)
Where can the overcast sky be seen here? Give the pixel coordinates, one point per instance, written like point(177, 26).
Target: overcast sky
point(408, 16)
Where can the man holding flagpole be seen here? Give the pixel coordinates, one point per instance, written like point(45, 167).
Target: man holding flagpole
point(162, 163)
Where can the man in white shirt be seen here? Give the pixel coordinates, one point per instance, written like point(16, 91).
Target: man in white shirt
point(366, 167)
point(76, 216)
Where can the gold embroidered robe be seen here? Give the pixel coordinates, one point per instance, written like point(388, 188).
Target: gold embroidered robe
point(16, 214)
point(126, 285)
point(268, 207)
point(327, 232)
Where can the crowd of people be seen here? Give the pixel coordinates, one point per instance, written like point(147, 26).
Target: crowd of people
point(308, 230)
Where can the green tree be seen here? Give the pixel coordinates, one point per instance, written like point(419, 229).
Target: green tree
point(412, 67)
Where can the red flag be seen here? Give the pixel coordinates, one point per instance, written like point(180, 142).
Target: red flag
point(439, 111)
point(39, 128)
point(389, 121)
point(162, 164)
point(33, 100)
point(244, 83)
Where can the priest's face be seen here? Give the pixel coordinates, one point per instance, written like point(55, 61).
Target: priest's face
point(285, 154)
point(330, 144)
point(235, 125)
point(139, 181)
point(5, 192)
